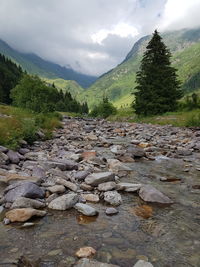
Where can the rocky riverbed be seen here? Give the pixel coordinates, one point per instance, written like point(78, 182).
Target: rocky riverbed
point(122, 194)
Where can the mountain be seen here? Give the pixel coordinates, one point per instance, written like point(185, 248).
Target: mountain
point(119, 83)
point(34, 64)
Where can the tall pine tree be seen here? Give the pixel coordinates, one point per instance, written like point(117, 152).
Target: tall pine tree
point(158, 88)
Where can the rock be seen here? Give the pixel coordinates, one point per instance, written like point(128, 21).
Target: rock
point(90, 197)
point(111, 211)
point(108, 186)
point(40, 134)
point(22, 215)
point(95, 179)
point(85, 252)
point(39, 172)
point(25, 189)
point(69, 185)
point(113, 198)
point(3, 158)
point(88, 155)
point(3, 149)
point(11, 178)
point(81, 175)
point(56, 189)
point(64, 202)
point(183, 152)
point(65, 165)
point(115, 165)
point(142, 263)
point(126, 159)
point(23, 202)
point(128, 187)
point(14, 157)
point(93, 263)
point(92, 137)
point(23, 151)
point(86, 187)
point(27, 225)
point(36, 155)
point(150, 194)
point(86, 209)
point(136, 152)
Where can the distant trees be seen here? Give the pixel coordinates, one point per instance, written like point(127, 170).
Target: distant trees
point(104, 109)
point(10, 74)
point(32, 93)
point(158, 88)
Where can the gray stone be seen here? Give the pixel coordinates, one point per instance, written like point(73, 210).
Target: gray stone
point(67, 184)
point(64, 202)
point(136, 151)
point(23, 189)
point(93, 263)
point(142, 263)
point(3, 149)
point(3, 158)
point(39, 172)
point(23, 151)
point(150, 194)
point(65, 165)
point(108, 186)
point(128, 187)
point(13, 156)
point(81, 175)
point(86, 209)
point(113, 198)
point(56, 189)
point(111, 211)
point(95, 179)
point(23, 202)
point(184, 151)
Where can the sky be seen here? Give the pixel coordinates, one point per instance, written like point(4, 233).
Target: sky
point(90, 36)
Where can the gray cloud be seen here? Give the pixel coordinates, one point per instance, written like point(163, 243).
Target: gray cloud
point(62, 30)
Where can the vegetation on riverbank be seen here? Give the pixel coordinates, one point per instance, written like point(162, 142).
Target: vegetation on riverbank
point(18, 124)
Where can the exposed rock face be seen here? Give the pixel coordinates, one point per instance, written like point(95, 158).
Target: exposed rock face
point(86, 209)
point(97, 178)
point(25, 189)
point(64, 202)
point(113, 198)
point(150, 194)
point(22, 215)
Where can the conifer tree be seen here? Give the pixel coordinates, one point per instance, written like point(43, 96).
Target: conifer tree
point(158, 88)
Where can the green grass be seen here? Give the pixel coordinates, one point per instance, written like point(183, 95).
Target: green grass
point(179, 119)
point(18, 124)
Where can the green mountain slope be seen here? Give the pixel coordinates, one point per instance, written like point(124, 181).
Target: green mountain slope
point(33, 64)
point(118, 83)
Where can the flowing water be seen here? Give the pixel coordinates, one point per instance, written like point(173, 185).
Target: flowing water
point(167, 236)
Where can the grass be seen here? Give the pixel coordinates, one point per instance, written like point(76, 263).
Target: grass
point(179, 119)
point(17, 124)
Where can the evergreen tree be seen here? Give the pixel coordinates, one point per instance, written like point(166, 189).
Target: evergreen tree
point(158, 88)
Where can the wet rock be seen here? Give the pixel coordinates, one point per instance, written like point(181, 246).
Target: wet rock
point(136, 152)
point(113, 198)
point(23, 202)
point(128, 187)
point(25, 189)
point(14, 157)
point(108, 186)
point(81, 175)
point(64, 202)
point(142, 263)
point(3, 158)
point(86, 209)
point(85, 252)
point(150, 194)
point(115, 165)
point(22, 215)
point(90, 197)
point(95, 179)
point(111, 211)
point(56, 189)
point(92, 263)
point(67, 184)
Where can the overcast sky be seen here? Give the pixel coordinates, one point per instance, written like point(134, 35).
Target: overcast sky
point(91, 36)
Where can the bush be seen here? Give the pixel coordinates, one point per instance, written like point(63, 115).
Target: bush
point(193, 119)
point(104, 109)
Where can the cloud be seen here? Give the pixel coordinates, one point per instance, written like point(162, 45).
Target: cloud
point(91, 36)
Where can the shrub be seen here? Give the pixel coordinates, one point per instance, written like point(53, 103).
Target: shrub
point(104, 109)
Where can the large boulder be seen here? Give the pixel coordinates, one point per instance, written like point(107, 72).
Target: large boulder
point(86, 209)
point(95, 179)
point(64, 202)
point(23, 189)
point(113, 198)
point(22, 215)
point(150, 194)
